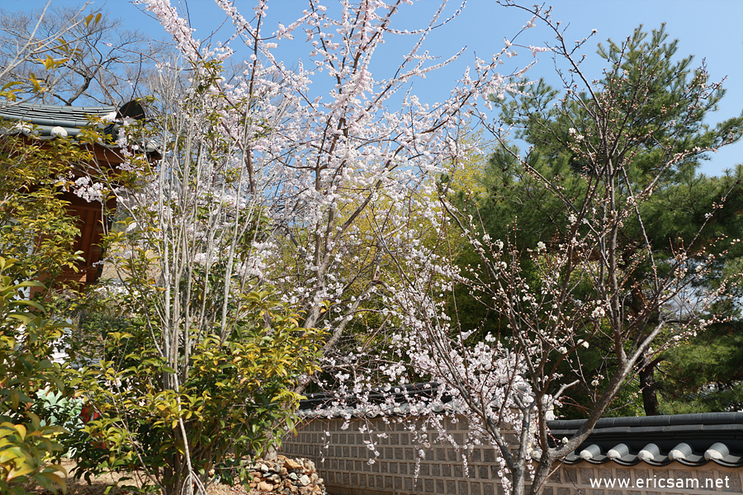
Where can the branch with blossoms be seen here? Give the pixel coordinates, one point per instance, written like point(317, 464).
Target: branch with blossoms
point(510, 384)
point(337, 175)
point(583, 287)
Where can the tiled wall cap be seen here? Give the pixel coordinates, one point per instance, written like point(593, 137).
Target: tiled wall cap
point(649, 452)
point(619, 451)
point(716, 452)
point(680, 451)
point(590, 452)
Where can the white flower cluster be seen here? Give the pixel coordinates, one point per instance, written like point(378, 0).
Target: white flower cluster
point(90, 191)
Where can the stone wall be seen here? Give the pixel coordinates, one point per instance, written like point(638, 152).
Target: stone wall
point(341, 457)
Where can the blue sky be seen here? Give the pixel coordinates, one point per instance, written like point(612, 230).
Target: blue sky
point(708, 30)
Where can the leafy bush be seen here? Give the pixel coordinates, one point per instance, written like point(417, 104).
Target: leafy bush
point(35, 227)
point(56, 408)
point(236, 398)
point(26, 336)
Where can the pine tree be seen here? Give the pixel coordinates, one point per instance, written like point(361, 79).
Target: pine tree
point(657, 109)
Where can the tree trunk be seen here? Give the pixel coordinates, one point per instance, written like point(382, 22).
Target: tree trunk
point(649, 389)
point(518, 479)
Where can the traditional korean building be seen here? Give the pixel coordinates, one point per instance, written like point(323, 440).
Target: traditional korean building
point(49, 122)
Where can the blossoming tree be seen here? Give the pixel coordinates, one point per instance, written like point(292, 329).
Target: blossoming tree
point(266, 187)
point(585, 285)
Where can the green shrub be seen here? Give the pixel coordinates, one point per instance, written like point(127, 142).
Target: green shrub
point(26, 336)
point(235, 399)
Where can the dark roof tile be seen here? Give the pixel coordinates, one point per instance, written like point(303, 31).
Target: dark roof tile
point(690, 439)
point(46, 117)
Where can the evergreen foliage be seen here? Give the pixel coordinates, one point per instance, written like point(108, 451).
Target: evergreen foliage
point(654, 107)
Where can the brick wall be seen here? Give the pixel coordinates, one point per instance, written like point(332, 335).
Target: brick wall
point(342, 459)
